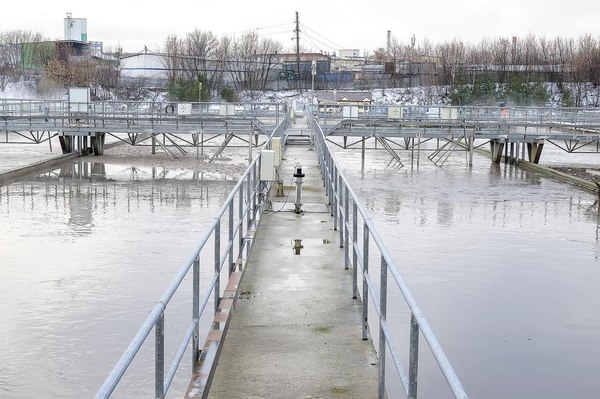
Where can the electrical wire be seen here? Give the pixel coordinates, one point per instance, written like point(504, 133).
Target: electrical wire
point(335, 45)
point(288, 194)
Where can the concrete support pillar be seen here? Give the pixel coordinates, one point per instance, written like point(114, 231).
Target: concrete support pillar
point(497, 147)
point(534, 151)
point(66, 143)
point(97, 143)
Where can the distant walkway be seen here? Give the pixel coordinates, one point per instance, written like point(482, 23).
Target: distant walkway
point(295, 330)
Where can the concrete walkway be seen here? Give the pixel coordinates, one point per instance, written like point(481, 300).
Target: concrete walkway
point(295, 330)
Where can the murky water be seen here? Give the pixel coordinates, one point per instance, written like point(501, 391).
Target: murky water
point(505, 265)
point(86, 251)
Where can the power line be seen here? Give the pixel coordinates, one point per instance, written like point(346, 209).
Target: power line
point(323, 44)
point(336, 45)
point(257, 29)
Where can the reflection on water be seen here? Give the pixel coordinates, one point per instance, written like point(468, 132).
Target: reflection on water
point(86, 251)
point(504, 263)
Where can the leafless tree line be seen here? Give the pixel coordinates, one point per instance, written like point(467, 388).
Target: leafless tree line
point(249, 61)
point(556, 60)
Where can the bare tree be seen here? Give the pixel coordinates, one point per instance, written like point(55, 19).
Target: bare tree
point(200, 58)
point(21, 53)
point(453, 61)
point(252, 60)
point(173, 58)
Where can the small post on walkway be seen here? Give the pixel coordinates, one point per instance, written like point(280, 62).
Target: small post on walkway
point(471, 140)
point(298, 175)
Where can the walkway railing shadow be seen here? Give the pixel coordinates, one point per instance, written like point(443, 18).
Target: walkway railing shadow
point(349, 216)
point(239, 215)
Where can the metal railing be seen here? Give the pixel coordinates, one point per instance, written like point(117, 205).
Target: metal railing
point(523, 116)
point(136, 109)
point(347, 211)
point(240, 212)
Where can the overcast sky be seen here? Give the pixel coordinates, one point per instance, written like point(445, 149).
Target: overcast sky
point(325, 25)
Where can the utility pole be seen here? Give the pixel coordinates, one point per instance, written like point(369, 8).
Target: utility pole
point(298, 51)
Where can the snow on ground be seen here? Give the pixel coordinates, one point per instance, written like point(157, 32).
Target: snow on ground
point(423, 95)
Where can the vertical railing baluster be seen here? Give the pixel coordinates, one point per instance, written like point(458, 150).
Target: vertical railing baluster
point(413, 360)
point(330, 176)
point(248, 193)
point(159, 357)
point(255, 181)
point(217, 293)
point(345, 228)
point(230, 243)
point(354, 255)
point(196, 312)
point(334, 200)
point(365, 287)
point(241, 218)
point(382, 337)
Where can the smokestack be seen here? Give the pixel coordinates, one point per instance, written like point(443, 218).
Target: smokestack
point(389, 41)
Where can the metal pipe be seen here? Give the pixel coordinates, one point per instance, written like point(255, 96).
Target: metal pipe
point(159, 357)
point(230, 228)
point(413, 361)
point(365, 287)
point(217, 293)
point(196, 312)
point(354, 255)
point(382, 337)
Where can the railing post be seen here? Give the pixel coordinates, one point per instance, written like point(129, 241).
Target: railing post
point(354, 255)
point(345, 220)
point(413, 360)
point(248, 193)
point(159, 357)
point(253, 194)
point(217, 293)
point(241, 217)
point(382, 337)
point(196, 312)
point(365, 289)
point(230, 243)
point(334, 200)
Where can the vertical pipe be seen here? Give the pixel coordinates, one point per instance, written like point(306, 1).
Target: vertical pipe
point(230, 243)
point(354, 255)
point(413, 361)
point(250, 144)
point(365, 286)
point(241, 217)
point(248, 193)
point(159, 357)
point(253, 194)
point(419, 150)
point(344, 228)
point(196, 312)
point(217, 293)
point(471, 142)
point(382, 338)
point(333, 200)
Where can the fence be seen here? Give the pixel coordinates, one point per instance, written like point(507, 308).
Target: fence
point(346, 211)
point(240, 213)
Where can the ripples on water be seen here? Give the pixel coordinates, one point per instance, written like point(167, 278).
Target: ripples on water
point(86, 252)
point(504, 263)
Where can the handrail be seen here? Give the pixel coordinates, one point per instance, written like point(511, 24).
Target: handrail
point(510, 115)
point(342, 196)
point(249, 212)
